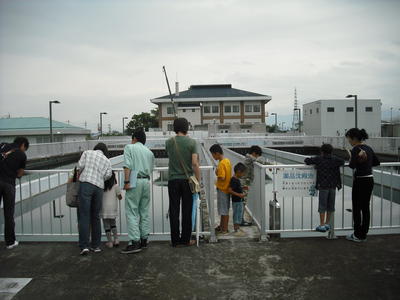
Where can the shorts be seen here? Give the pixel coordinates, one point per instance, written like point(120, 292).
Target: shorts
point(326, 200)
point(223, 203)
point(237, 208)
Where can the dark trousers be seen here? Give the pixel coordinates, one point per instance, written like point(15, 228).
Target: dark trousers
point(7, 194)
point(90, 202)
point(361, 195)
point(178, 189)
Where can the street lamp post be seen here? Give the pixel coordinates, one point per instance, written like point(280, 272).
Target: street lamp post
point(51, 118)
point(101, 123)
point(391, 121)
point(123, 124)
point(276, 119)
point(355, 108)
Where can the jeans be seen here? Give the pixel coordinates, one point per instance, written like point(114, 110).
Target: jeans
point(223, 203)
point(237, 208)
point(90, 201)
point(7, 194)
point(178, 189)
point(361, 196)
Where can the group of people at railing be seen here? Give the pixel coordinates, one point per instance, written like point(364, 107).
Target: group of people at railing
point(99, 190)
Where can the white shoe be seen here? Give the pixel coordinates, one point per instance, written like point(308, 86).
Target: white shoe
point(13, 245)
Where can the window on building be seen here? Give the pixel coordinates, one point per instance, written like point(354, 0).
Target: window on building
point(193, 110)
point(349, 109)
point(170, 127)
point(215, 109)
point(248, 108)
point(310, 111)
point(317, 109)
point(256, 108)
point(206, 109)
point(235, 108)
point(228, 109)
point(369, 108)
point(183, 110)
point(170, 110)
point(330, 109)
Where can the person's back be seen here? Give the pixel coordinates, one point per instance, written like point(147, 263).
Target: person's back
point(12, 160)
point(95, 167)
point(328, 170)
point(141, 160)
point(363, 163)
point(186, 148)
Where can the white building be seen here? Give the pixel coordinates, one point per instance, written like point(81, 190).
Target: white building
point(209, 104)
point(334, 117)
point(37, 130)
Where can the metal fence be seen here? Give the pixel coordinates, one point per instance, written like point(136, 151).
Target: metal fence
point(41, 213)
point(274, 213)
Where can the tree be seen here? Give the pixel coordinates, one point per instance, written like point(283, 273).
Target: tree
point(145, 120)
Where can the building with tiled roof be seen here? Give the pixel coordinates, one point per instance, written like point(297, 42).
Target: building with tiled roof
point(213, 104)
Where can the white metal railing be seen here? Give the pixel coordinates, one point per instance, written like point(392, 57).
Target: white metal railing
point(298, 216)
point(41, 213)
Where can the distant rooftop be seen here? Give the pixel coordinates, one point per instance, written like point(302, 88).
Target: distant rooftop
point(208, 91)
point(36, 125)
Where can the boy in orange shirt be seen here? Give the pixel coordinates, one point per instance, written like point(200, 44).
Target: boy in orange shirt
point(224, 174)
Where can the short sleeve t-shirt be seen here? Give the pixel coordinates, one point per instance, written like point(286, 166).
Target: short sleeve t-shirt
point(224, 170)
point(11, 164)
point(236, 186)
point(186, 147)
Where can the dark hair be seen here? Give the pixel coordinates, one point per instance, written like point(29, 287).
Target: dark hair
point(103, 148)
point(140, 135)
point(358, 134)
point(239, 167)
point(216, 149)
point(110, 182)
point(181, 125)
point(21, 140)
point(255, 149)
point(326, 149)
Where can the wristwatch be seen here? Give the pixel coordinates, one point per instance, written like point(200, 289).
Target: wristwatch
point(126, 181)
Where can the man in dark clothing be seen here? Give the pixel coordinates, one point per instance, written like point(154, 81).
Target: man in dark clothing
point(328, 179)
point(12, 165)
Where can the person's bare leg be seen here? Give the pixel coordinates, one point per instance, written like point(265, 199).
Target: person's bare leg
point(328, 217)
point(322, 219)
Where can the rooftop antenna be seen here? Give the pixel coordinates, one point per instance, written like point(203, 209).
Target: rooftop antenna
point(170, 94)
point(296, 120)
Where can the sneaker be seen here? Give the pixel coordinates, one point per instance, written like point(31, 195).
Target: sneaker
point(352, 237)
point(244, 223)
point(96, 250)
point(144, 243)
point(133, 248)
point(327, 227)
point(84, 251)
point(321, 228)
point(109, 245)
point(12, 246)
point(116, 242)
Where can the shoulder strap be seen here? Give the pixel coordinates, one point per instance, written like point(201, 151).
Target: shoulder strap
point(180, 158)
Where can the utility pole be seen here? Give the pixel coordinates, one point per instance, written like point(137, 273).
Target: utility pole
point(51, 118)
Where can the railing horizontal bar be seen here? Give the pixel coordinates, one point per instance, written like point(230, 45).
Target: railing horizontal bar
point(336, 229)
point(115, 169)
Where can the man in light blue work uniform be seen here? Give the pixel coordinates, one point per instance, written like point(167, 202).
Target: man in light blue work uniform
point(138, 166)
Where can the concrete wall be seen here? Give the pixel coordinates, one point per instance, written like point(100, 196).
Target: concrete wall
point(318, 121)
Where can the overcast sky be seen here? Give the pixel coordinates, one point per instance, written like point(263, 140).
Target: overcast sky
point(107, 55)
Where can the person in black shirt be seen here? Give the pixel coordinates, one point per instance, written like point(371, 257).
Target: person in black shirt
point(328, 179)
point(362, 159)
point(12, 165)
point(236, 190)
